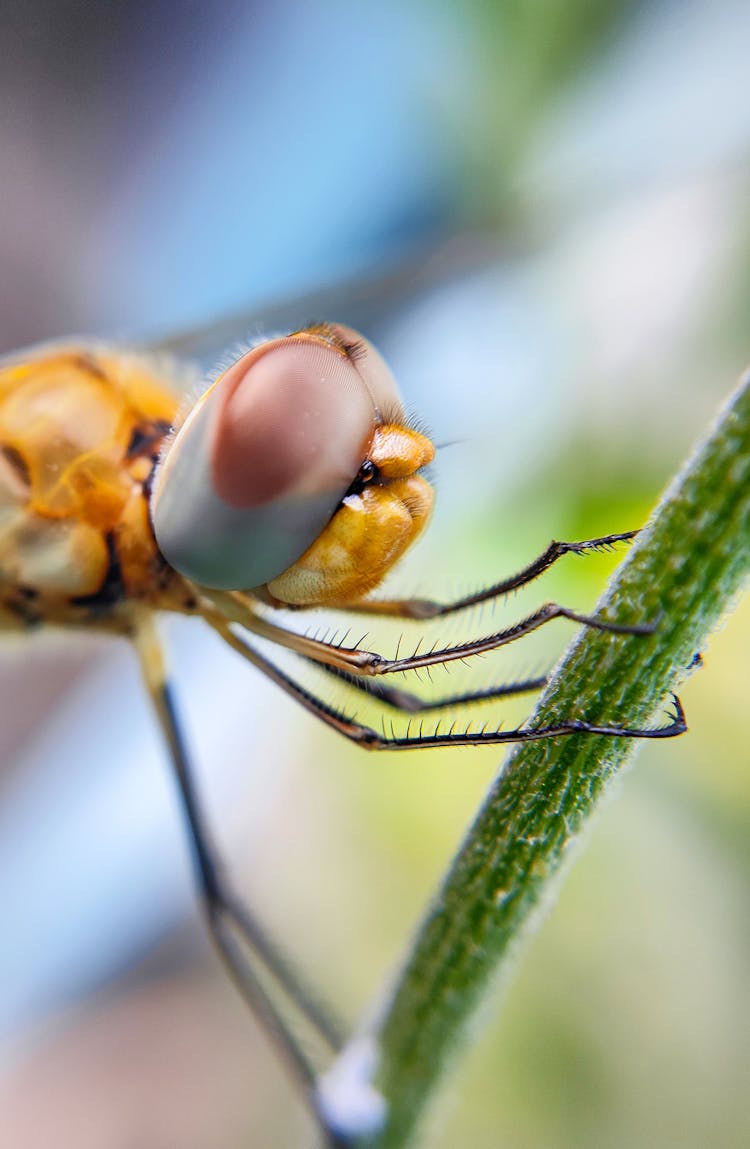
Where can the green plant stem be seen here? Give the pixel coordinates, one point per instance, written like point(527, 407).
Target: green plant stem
point(683, 572)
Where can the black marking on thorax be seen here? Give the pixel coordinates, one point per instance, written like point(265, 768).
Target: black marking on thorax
point(146, 436)
point(22, 601)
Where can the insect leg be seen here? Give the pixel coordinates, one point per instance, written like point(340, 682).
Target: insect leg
point(252, 960)
point(409, 703)
point(371, 739)
point(365, 663)
point(425, 608)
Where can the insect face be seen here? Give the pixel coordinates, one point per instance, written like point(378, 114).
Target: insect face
point(259, 487)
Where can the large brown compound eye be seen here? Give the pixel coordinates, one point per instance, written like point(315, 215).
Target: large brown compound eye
point(295, 423)
point(263, 461)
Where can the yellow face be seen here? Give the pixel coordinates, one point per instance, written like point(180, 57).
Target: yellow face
point(371, 529)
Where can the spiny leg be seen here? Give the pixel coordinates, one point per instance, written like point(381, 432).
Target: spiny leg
point(218, 606)
point(251, 958)
point(369, 738)
point(409, 703)
point(425, 608)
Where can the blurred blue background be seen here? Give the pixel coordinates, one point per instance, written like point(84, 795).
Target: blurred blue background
point(540, 214)
point(183, 161)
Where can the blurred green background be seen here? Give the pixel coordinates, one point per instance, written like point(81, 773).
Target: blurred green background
point(564, 188)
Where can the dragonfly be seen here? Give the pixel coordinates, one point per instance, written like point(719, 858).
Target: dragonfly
point(294, 482)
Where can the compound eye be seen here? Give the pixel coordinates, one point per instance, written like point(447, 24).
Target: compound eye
point(262, 463)
point(296, 422)
point(374, 370)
